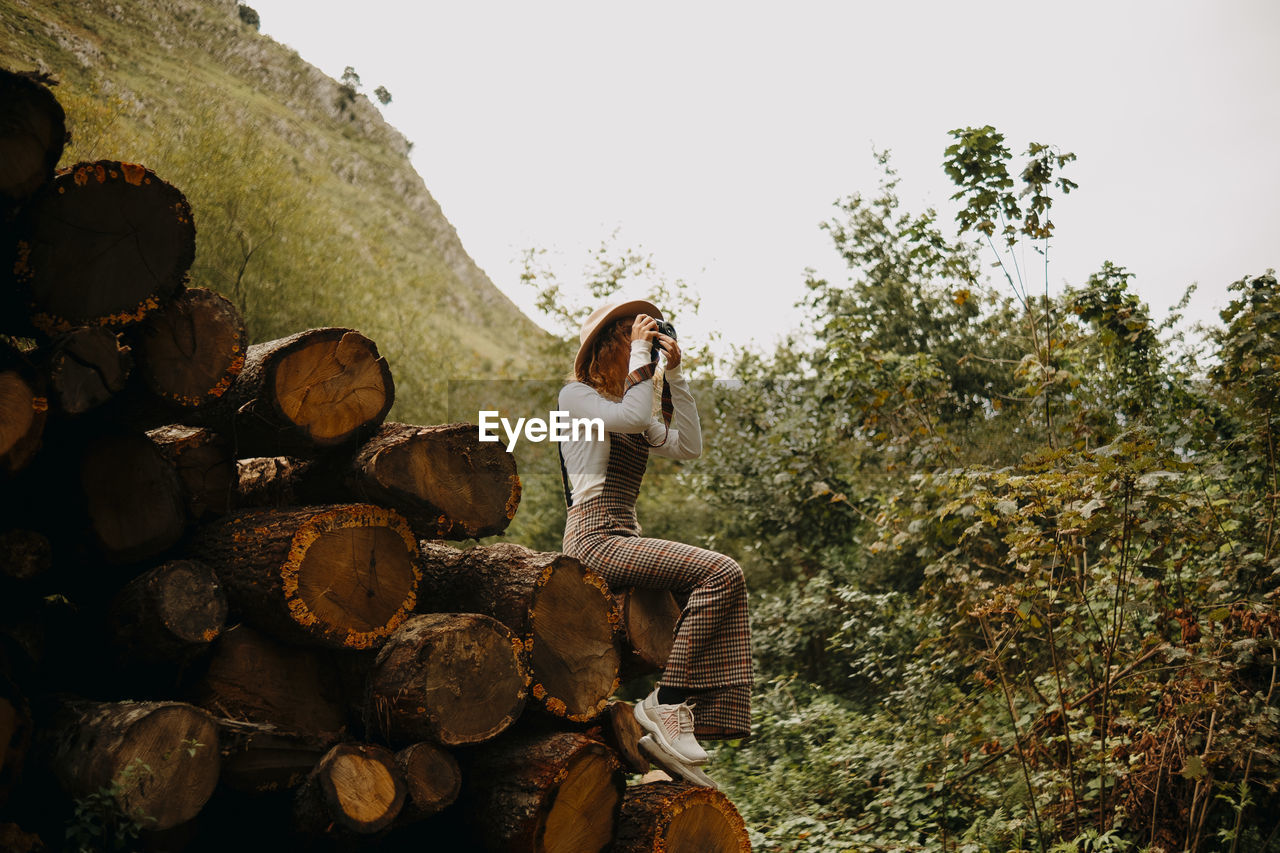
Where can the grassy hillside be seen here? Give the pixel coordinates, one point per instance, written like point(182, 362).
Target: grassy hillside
point(307, 208)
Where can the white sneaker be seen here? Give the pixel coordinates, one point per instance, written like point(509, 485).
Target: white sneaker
point(672, 729)
point(672, 765)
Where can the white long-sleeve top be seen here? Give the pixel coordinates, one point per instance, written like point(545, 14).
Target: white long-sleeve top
point(586, 459)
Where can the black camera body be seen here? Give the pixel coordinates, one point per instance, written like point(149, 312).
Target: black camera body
point(664, 328)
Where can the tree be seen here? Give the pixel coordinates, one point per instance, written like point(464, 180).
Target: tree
point(249, 16)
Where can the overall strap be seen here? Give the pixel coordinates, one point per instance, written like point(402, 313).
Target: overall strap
point(564, 479)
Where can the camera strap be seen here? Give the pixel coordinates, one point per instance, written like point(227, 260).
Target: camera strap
point(644, 373)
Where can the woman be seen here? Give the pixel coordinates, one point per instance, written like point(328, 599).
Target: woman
point(705, 689)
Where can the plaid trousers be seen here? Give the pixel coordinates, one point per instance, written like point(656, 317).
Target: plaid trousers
point(711, 654)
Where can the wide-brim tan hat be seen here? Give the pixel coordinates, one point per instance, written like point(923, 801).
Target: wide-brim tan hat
point(602, 317)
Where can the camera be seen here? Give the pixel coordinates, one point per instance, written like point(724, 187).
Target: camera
point(664, 328)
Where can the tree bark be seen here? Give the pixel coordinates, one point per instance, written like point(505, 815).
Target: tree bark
point(134, 497)
point(268, 482)
point(162, 755)
point(563, 612)
point(102, 244)
point(205, 465)
point(33, 132)
point(252, 678)
point(87, 366)
point(191, 350)
point(443, 479)
point(168, 612)
point(449, 678)
point(678, 816)
point(23, 410)
point(556, 793)
point(342, 576)
point(354, 788)
point(260, 758)
point(649, 620)
point(299, 395)
point(433, 781)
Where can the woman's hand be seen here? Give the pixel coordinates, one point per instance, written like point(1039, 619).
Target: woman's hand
point(672, 349)
point(643, 328)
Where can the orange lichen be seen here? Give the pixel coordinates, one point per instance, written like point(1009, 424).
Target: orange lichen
point(133, 173)
point(54, 324)
point(513, 500)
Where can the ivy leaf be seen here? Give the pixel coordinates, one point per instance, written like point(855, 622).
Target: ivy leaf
point(1194, 768)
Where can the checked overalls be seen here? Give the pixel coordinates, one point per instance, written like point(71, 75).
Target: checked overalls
point(712, 649)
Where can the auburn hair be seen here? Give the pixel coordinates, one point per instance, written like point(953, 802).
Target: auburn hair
point(611, 347)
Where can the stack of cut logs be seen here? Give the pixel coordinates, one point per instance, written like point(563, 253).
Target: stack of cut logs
point(228, 615)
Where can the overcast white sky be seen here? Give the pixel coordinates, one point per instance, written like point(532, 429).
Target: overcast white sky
point(717, 135)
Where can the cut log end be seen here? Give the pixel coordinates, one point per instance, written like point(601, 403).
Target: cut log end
point(22, 415)
point(622, 731)
point(649, 620)
point(169, 611)
point(351, 574)
point(446, 481)
point(104, 243)
point(163, 757)
point(330, 388)
point(676, 817)
point(342, 575)
point(553, 793)
point(357, 787)
point(190, 602)
point(179, 745)
point(451, 678)
point(574, 652)
point(589, 788)
point(190, 351)
point(432, 777)
point(87, 367)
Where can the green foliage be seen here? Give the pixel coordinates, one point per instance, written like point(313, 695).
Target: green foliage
point(1028, 599)
point(250, 16)
point(101, 820)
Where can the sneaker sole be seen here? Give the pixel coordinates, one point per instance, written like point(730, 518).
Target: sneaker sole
point(675, 766)
point(659, 737)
